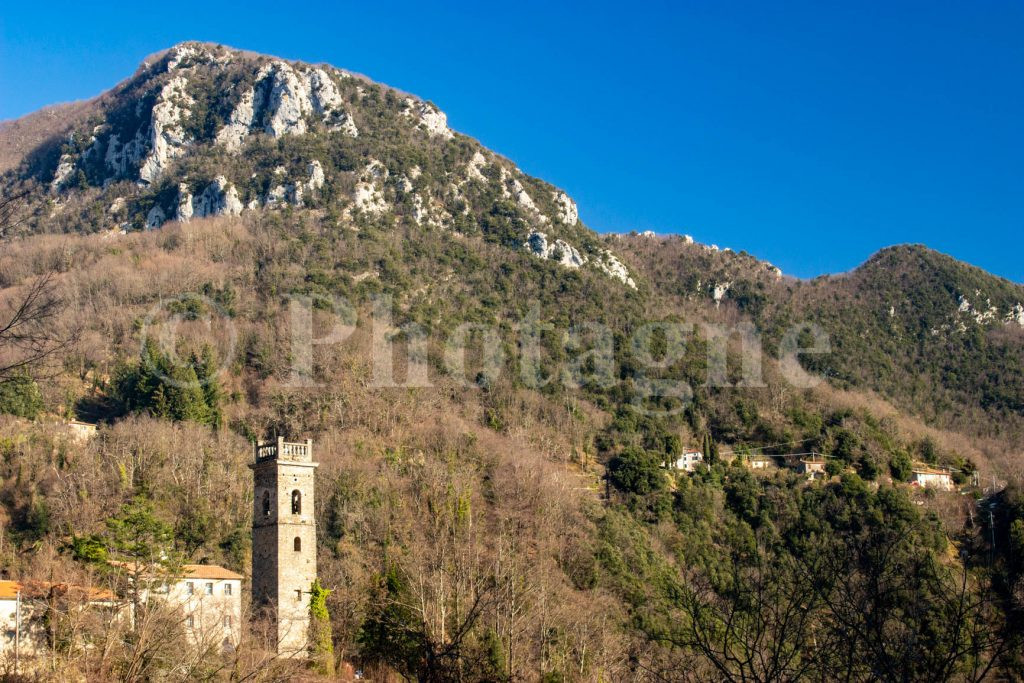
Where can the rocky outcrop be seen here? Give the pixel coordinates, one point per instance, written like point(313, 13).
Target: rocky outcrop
point(987, 314)
point(613, 267)
point(288, 100)
point(512, 188)
point(243, 118)
point(475, 167)
point(292, 95)
point(167, 136)
point(567, 211)
point(718, 292)
point(166, 112)
point(558, 251)
point(184, 55)
point(65, 167)
point(155, 218)
point(368, 197)
point(1016, 315)
point(219, 198)
point(121, 159)
point(428, 117)
point(565, 254)
point(316, 177)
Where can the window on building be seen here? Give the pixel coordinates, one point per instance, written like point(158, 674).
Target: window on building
point(296, 502)
point(266, 503)
point(298, 594)
point(227, 620)
point(191, 621)
point(190, 588)
point(209, 589)
point(227, 589)
point(297, 544)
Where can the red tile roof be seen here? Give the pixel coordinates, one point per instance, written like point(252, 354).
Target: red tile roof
point(208, 571)
point(37, 589)
point(192, 571)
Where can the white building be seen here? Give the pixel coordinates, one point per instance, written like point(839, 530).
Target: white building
point(26, 607)
point(688, 461)
point(80, 431)
point(928, 477)
point(209, 598)
point(813, 468)
point(757, 462)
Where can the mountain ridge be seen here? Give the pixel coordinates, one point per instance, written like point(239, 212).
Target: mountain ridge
point(500, 400)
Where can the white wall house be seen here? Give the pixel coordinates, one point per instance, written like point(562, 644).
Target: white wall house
point(210, 599)
point(813, 468)
point(24, 607)
point(758, 462)
point(927, 477)
point(688, 461)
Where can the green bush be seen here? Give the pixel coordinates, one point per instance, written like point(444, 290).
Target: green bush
point(637, 471)
point(20, 396)
point(901, 466)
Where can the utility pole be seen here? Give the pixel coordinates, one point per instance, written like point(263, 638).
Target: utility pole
point(17, 631)
point(992, 524)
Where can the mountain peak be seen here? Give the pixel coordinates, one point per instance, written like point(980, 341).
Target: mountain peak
point(202, 129)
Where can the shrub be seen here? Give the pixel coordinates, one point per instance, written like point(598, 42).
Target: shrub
point(20, 396)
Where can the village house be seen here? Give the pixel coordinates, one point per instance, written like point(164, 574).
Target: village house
point(812, 467)
point(209, 598)
point(687, 461)
point(28, 610)
point(757, 462)
point(931, 477)
point(80, 431)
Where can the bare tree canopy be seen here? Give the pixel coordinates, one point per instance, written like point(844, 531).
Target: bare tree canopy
point(28, 333)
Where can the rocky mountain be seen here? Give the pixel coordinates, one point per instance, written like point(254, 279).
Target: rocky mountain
point(202, 130)
point(514, 511)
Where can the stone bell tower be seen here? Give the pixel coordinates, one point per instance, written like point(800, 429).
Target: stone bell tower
point(283, 540)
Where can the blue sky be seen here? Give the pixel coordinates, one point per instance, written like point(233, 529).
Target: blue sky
point(810, 133)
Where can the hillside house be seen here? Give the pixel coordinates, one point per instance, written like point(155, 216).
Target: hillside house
point(209, 597)
point(687, 461)
point(812, 467)
point(931, 477)
point(757, 462)
point(80, 431)
point(28, 610)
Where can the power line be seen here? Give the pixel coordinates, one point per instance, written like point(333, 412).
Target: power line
point(771, 445)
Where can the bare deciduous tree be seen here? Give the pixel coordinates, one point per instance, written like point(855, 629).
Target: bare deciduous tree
point(28, 334)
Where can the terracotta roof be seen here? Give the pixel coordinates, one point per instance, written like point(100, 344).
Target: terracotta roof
point(191, 571)
point(41, 589)
point(208, 571)
point(9, 590)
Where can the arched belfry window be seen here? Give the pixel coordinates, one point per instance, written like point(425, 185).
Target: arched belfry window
point(266, 503)
point(296, 502)
point(297, 544)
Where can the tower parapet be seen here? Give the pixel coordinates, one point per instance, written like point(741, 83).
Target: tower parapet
point(301, 451)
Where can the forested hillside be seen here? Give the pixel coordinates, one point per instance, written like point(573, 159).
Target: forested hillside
point(228, 247)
